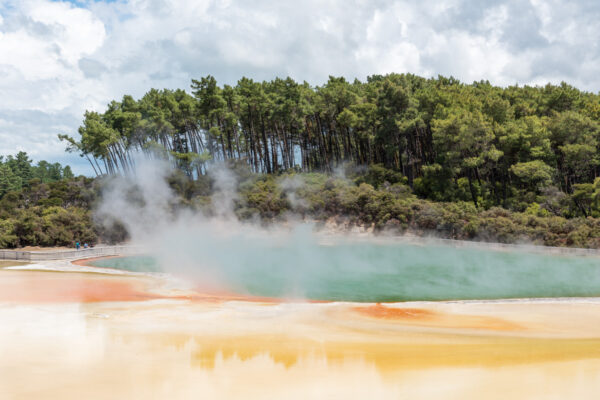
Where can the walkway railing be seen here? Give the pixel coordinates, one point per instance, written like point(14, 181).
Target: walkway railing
point(98, 251)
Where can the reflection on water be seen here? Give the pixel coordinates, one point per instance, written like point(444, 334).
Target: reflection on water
point(54, 345)
point(149, 351)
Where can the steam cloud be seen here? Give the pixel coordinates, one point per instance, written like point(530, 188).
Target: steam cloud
point(291, 260)
point(210, 249)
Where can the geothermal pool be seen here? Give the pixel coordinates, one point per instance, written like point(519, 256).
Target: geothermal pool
point(147, 328)
point(375, 272)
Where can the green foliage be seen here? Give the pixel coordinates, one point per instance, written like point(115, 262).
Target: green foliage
point(262, 196)
point(20, 166)
point(394, 209)
point(48, 214)
point(377, 175)
point(9, 181)
point(58, 213)
point(447, 140)
point(17, 172)
point(533, 174)
point(586, 197)
point(8, 238)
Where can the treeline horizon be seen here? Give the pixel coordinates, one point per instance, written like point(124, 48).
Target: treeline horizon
point(18, 171)
point(450, 141)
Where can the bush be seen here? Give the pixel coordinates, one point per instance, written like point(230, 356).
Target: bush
point(54, 214)
point(8, 238)
point(376, 175)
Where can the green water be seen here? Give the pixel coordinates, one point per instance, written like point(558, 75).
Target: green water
point(134, 264)
point(368, 272)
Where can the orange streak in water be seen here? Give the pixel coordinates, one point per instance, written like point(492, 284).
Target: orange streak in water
point(379, 311)
point(36, 287)
point(85, 262)
point(425, 317)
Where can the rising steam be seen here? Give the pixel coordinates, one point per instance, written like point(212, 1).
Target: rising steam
point(291, 260)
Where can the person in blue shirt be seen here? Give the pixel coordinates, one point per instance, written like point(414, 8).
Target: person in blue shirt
point(77, 245)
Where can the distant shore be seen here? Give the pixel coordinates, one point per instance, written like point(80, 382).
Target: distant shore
point(330, 229)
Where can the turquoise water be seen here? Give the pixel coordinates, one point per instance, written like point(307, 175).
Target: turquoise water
point(369, 272)
point(134, 264)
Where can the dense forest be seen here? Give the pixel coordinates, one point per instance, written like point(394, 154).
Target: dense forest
point(61, 212)
point(397, 153)
point(376, 199)
point(43, 204)
point(492, 146)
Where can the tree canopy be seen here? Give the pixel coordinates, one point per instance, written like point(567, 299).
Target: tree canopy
point(452, 141)
point(17, 172)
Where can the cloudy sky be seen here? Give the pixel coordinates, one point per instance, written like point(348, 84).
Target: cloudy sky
point(59, 58)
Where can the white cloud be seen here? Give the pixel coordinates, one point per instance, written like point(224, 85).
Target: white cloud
point(58, 59)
